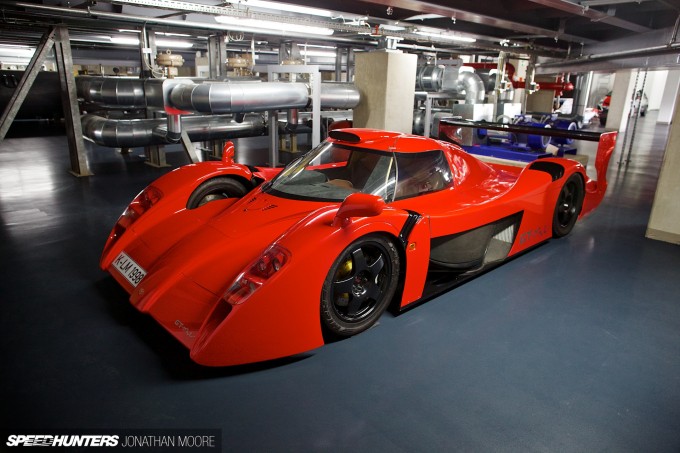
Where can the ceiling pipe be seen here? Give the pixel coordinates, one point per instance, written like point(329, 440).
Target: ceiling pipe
point(133, 133)
point(509, 70)
point(473, 86)
point(218, 97)
point(212, 97)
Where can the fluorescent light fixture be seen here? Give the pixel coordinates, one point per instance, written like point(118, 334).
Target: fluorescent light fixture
point(130, 41)
point(180, 35)
point(124, 40)
point(12, 51)
point(448, 37)
point(127, 30)
point(392, 27)
point(424, 17)
point(317, 53)
point(283, 7)
point(238, 23)
point(316, 46)
point(175, 44)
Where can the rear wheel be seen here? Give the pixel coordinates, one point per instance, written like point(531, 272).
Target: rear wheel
point(216, 189)
point(568, 207)
point(359, 286)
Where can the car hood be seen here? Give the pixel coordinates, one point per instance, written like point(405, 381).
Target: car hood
point(214, 255)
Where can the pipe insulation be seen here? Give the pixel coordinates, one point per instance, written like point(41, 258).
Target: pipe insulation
point(133, 133)
point(473, 86)
point(113, 91)
point(212, 97)
point(219, 97)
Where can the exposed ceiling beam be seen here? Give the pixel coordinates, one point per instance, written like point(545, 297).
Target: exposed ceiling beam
point(592, 14)
point(460, 14)
point(608, 2)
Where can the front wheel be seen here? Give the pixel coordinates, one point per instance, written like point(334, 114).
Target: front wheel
point(216, 189)
point(359, 285)
point(568, 207)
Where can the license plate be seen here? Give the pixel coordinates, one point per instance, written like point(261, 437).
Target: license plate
point(127, 267)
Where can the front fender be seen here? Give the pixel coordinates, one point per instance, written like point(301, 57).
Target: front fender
point(282, 317)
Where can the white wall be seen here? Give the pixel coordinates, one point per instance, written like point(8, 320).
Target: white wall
point(664, 222)
point(656, 81)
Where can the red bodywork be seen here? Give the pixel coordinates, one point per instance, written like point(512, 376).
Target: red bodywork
point(194, 259)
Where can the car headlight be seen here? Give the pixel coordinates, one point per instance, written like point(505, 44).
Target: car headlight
point(256, 274)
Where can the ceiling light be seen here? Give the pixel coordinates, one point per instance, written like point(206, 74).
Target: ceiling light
point(125, 41)
point(392, 27)
point(238, 23)
point(17, 51)
point(283, 7)
point(175, 44)
point(317, 46)
point(424, 17)
point(317, 53)
point(446, 36)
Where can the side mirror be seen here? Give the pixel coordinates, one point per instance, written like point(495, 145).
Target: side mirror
point(358, 205)
point(228, 153)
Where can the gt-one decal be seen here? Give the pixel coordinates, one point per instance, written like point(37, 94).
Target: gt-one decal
point(531, 235)
point(189, 333)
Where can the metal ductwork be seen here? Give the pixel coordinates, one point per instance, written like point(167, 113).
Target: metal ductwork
point(218, 97)
point(429, 77)
point(336, 95)
point(238, 97)
point(211, 97)
point(473, 86)
point(115, 92)
point(133, 133)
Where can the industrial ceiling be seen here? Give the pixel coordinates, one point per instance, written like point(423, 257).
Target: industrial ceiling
point(564, 35)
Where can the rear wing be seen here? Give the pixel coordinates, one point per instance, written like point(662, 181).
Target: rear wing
point(454, 130)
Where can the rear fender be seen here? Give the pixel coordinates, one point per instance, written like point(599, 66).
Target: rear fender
point(595, 190)
point(176, 188)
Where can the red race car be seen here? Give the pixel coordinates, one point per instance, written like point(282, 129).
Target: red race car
point(245, 264)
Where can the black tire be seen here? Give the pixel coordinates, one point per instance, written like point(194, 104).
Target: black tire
point(359, 286)
point(216, 189)
point(568, 206)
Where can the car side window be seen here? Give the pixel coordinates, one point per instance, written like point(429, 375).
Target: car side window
point(421, 173)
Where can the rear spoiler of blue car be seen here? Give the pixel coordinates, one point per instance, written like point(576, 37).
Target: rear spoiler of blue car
point(447, 124)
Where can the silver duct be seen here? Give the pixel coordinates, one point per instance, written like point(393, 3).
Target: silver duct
point(133, 133)
point(218, 97)
point(336, 95)
point(212, 97)
point(473, 86)
point(238, 97)
point(114, 91)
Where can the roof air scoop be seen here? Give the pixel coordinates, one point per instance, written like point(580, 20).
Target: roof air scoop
point(344, 136)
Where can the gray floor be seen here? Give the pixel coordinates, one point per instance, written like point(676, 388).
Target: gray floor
point(574, 346)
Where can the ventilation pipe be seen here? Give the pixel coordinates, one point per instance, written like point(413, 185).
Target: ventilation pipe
point(473, 86)
point(133, 133)
point(221, 97)
point(114, 91)
point(212, 97)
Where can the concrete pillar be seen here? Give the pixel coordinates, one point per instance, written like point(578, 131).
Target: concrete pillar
point(664, 223)
point(620, 103)
point(386, 81)
point(670, 93)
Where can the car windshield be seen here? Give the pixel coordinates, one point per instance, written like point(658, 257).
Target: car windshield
point(331, 172)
